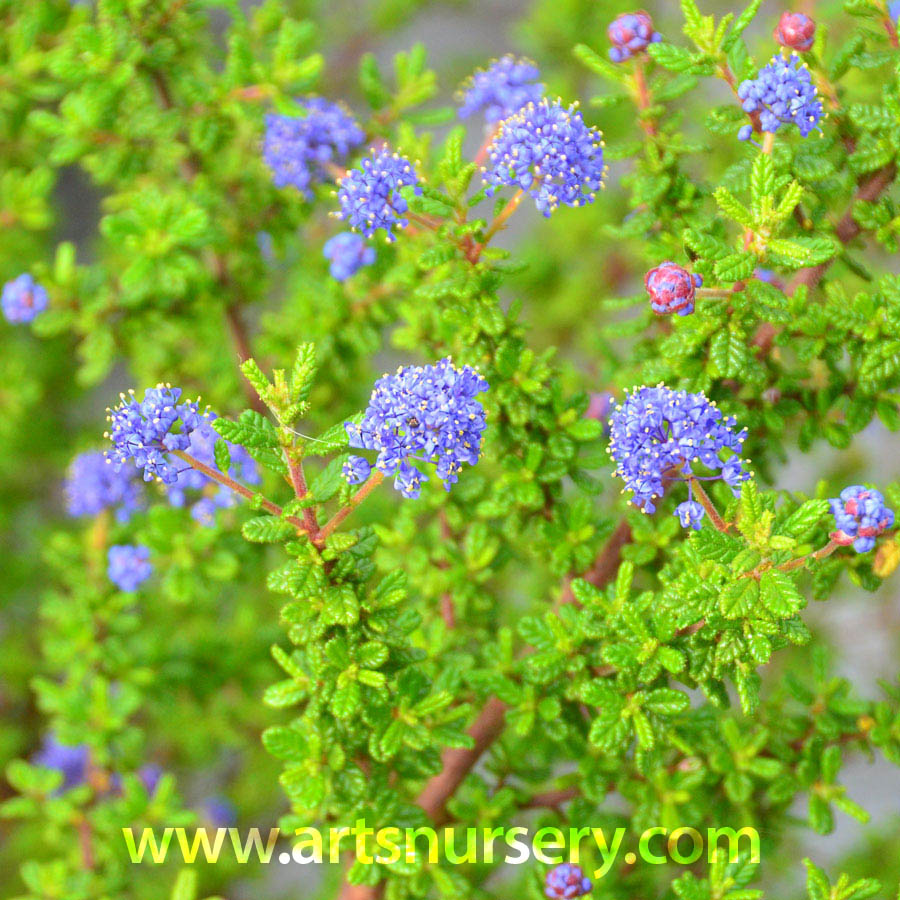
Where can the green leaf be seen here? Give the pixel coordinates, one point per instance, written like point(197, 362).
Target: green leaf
point(779, 594)
point(267, 530)
point(735, 267)
point(728, 354)
point(676, 59)
point(285, 743)
point(222, 456)
point(738, 600)
point(596, 63)
point(328, 482)
point(805, 517)
point(734, 209)
point(341, 606)
point(185, 887)
point(667, 701)
point(762, 180)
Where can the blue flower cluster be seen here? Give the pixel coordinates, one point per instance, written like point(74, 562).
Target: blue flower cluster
point(144, 430)
point(72, 761)
point(202, 446)
point(566, 882)
point(547, 150)
point(370, 195)
point(502, 89)
point(425, 414)
point(348, 253)
point(128, 566)
point(630, 33)
point(782, 93)
point(23, 299)
point(860, 515)
point(658, 435)
point(297, 148)
point(92, 485)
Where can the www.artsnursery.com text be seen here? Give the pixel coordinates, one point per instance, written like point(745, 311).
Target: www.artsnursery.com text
point(598, 847)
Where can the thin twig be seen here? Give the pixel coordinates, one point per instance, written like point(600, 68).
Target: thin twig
point(238, 488)
point(329, 527)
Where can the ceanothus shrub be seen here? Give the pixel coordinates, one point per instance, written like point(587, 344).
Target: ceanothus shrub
point(476, 522)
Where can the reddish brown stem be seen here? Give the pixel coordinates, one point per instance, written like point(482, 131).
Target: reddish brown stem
point(891, 30)
point(326, 530)
point(85, 843)
point(642, 96)
point(482, 153)
point(607, 562)
point(298, 482)
point(241, 342)
point(821, 553)
point(448, 613)
point(551, 799)
point(456, 763)
point(237, 487)
point(706, 502)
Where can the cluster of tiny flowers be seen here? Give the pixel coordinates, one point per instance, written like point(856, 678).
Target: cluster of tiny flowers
point(23, 300)
point(142, 430)
point(671, 288)
point(347, 253)
point(860, 515)
point(547, 150)
point(502, 89)
point(93, 485)
point(782, 93)
point(370, 195)
point(796, 31)
point(566, 882)
point(894, 11)
point(202, 447)
point(128, 566)
point(630, 33)
point(658, 435)
point(297, 148)
point(425, 414)
point(71, 760)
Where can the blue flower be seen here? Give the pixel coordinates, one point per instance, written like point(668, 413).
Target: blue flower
point(424, 414)
point(356, 470)
point(672, 289)
point(502, 89)
point(782, 93)
point(659, 435)
point(894, 11)
point(150, 776)
point(690, 513)
point(23, 299)
point(547, 150)
point(94, 484)
point(566, 882)
point(128, 566)
point(348, 253)
point(145, 430)
point(189, 482)
point(860, 515)
point(370, 195)
point(219, 812)
point(72, 760)
point(630, 33)
point(298, 148)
